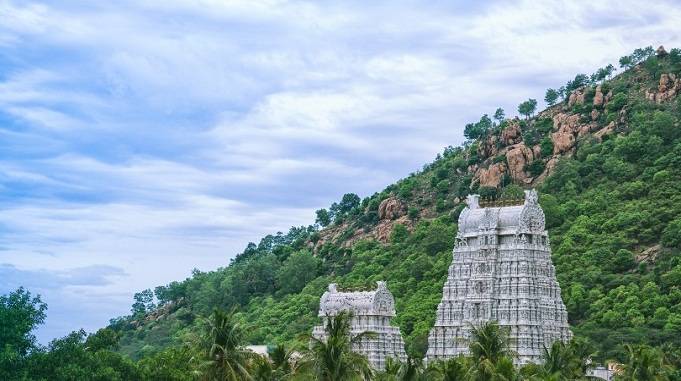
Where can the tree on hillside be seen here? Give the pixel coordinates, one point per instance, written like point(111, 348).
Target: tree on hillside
point(323, 217)
point(580, 80)
point(603, 73)
point(499, 115)
point(476, 130)
point(20, 314)
point(144, 302)
point(332, 358)
point(296, 271)
point(551, 97)
point(527, 108)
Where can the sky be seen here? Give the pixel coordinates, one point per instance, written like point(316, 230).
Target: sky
point(142, 139)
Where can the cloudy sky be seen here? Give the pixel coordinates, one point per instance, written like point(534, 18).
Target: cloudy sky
point(141, 139)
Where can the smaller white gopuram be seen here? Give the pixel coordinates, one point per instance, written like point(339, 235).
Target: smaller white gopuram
point(371, 311)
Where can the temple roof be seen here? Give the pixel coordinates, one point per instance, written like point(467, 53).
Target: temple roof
point(377, 302)
point(525, 218)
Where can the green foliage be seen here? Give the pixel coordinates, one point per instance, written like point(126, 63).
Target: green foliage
point(499, 115)
point(535, 168)
point(527, 108)
point(607, 208)
point(297, 270)
point(551, 97)
point(671, 236)
point(323, 217)
point(332, 359)
point(546, 146)
point(20, 314)
point(476, 130)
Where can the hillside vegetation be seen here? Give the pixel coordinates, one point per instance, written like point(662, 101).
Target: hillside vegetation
point(607, 162)
point(606, 159)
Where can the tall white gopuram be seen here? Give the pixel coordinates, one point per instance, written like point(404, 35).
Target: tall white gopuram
point(501, 271)
point(371, 311)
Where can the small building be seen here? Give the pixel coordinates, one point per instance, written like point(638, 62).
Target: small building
point(372, 311)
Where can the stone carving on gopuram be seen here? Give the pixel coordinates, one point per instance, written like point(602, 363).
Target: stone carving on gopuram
point(371, 311)
point(502, 272)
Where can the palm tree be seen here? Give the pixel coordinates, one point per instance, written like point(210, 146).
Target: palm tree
point(644, 364)
point(332, 358)
point(454, 369)
point(262, 369)
point(225, 357)
point(560, 363)
point(490, 353)
point(281, 362)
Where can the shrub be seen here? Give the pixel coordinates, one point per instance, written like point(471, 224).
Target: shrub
point(413, 213)
point(535, 168)
point(546, 146)
point(671, 236)
point(617, 103)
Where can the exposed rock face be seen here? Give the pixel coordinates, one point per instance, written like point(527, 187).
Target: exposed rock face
point(517, 156)
point(576, 97)
point(390, 208)
point(511, 134)
point(488, 148)
point(605, 131)
point(595, 114)
point(385, 228)
point(491, 177)
point(566, 126)
point(599, 98)
point(668, 88)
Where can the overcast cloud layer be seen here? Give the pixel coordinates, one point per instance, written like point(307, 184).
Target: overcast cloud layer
point(141, 139)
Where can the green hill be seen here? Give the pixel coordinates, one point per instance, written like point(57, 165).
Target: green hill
point(606, 159)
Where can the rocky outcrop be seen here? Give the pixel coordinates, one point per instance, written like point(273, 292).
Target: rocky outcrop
point(511, 134)
point(391, 208)
point(576, 97)
point(605, 131)
point(599, 98)
point(566, 126)
point(385, 228)
point(668, 87)
point(517, 157)
point(491, 177)
point(488, 147)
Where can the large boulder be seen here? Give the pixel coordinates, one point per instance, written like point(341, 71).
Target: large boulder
point(668, 87)
point(488, 148)
point(517, 157)
point(566, 126)
point(391, 208)
point(599, 98)
point(576, 97)
point(511, 134)
point(491, 177)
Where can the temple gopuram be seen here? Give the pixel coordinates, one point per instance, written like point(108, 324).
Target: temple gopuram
point(501, 271)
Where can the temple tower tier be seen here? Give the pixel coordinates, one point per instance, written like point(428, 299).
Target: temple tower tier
point(371, 311)
point(501, 271)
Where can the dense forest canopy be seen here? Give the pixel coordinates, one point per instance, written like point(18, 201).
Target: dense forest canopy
point(605, 157)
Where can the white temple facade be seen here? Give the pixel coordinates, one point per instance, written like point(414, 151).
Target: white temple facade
point(371, 311)
point(501, 271)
